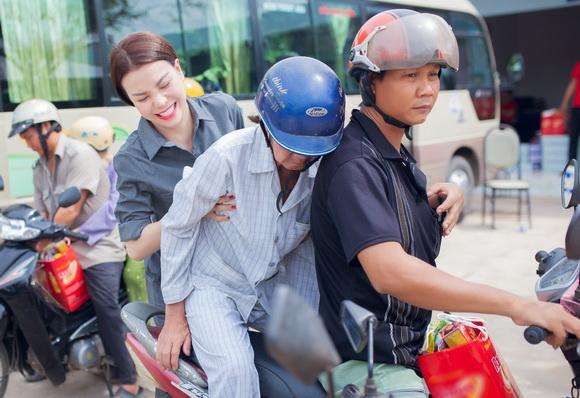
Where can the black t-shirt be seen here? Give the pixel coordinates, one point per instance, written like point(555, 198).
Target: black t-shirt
point(354, 207)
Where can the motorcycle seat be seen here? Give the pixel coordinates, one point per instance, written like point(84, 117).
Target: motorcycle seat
point(275, 382)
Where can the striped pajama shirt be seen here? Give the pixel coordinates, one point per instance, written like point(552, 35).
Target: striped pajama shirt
point(227, 271)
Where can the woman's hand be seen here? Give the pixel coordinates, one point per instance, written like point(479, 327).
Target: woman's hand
point(446, 197)
point(224, 203)
point(174, 337)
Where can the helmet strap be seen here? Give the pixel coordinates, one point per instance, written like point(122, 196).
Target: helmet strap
point(44, 137)
point(266, 136)
point(314, 160)
point(395, 122)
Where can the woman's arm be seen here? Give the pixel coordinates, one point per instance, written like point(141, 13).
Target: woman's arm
point(148, 242)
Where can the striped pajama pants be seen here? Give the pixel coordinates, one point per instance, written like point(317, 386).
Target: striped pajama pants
point(221, 343)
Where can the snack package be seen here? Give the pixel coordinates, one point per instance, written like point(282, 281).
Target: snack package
point(460, 361)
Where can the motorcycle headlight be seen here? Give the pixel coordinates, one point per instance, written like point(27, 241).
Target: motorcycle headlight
point(16, 230)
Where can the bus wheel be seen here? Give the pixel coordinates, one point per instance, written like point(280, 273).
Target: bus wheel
point(461, 173)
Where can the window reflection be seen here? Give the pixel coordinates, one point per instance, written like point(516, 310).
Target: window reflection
point(212, 38)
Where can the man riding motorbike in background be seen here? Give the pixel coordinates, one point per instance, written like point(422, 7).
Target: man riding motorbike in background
point(64, 163)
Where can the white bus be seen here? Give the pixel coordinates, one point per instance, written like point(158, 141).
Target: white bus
point(58, 50)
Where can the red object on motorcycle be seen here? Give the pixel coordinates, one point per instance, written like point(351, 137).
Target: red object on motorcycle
point(473, 370)
point(63, 278)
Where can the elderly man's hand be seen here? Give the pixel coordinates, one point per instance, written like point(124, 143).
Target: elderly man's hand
point(173, 338)
point(446, 197)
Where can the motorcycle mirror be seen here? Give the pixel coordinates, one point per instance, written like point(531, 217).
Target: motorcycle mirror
point(570, 187)
point(296, 337)
point(1, 183)
point(69, 197)
point(573, 237)
point(355, 321)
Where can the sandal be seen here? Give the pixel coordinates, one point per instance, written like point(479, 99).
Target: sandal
point(122, 393)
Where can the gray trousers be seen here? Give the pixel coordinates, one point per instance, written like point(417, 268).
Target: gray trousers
point(221, 343)
point(103, 282)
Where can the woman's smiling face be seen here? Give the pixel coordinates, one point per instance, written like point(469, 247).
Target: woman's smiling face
point(157, 91)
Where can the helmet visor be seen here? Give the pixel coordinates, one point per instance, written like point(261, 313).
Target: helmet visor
point(305, 145)
point(20, 127)
point(409, 42)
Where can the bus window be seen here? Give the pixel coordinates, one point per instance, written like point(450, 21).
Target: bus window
point(50, 51)
point(286, 29)
point(212, 38)
point(336, 24)
point(475, 70)
point(219, 47)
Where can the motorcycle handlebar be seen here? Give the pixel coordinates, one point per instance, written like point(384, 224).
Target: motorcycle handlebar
point(76, 235)
point(535, 334)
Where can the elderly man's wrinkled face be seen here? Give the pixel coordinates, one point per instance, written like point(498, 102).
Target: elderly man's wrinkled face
point(289, 160)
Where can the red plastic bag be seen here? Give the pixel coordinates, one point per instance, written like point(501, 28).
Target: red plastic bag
point(63, 278)
point(471, 370)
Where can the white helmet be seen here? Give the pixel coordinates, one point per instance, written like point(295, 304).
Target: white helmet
point(94, 130)
point(33, 112)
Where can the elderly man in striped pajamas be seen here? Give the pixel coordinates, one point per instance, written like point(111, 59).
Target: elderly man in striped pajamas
point(225, 272)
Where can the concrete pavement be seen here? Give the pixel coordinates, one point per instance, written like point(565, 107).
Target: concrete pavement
point(503, 258)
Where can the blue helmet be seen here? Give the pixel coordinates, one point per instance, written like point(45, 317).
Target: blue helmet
point(301, 103)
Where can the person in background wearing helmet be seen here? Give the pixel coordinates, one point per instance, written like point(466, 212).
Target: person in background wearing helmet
point(98, 133)
point(173, 131)
point(192, 87)
point(63, 163)
point(375, 232)
point(226, 272)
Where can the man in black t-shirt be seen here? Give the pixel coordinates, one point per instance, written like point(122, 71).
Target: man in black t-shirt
point(375, 230)
point(352, 210)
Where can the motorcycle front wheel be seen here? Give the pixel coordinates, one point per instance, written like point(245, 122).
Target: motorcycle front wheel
point(4, 370)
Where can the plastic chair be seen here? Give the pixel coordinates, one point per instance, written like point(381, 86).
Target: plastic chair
point(501, 154)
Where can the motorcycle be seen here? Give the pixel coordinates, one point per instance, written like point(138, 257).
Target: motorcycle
point(298, 340)
point(189, 380)
point(559, 271)
point(38, 338)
